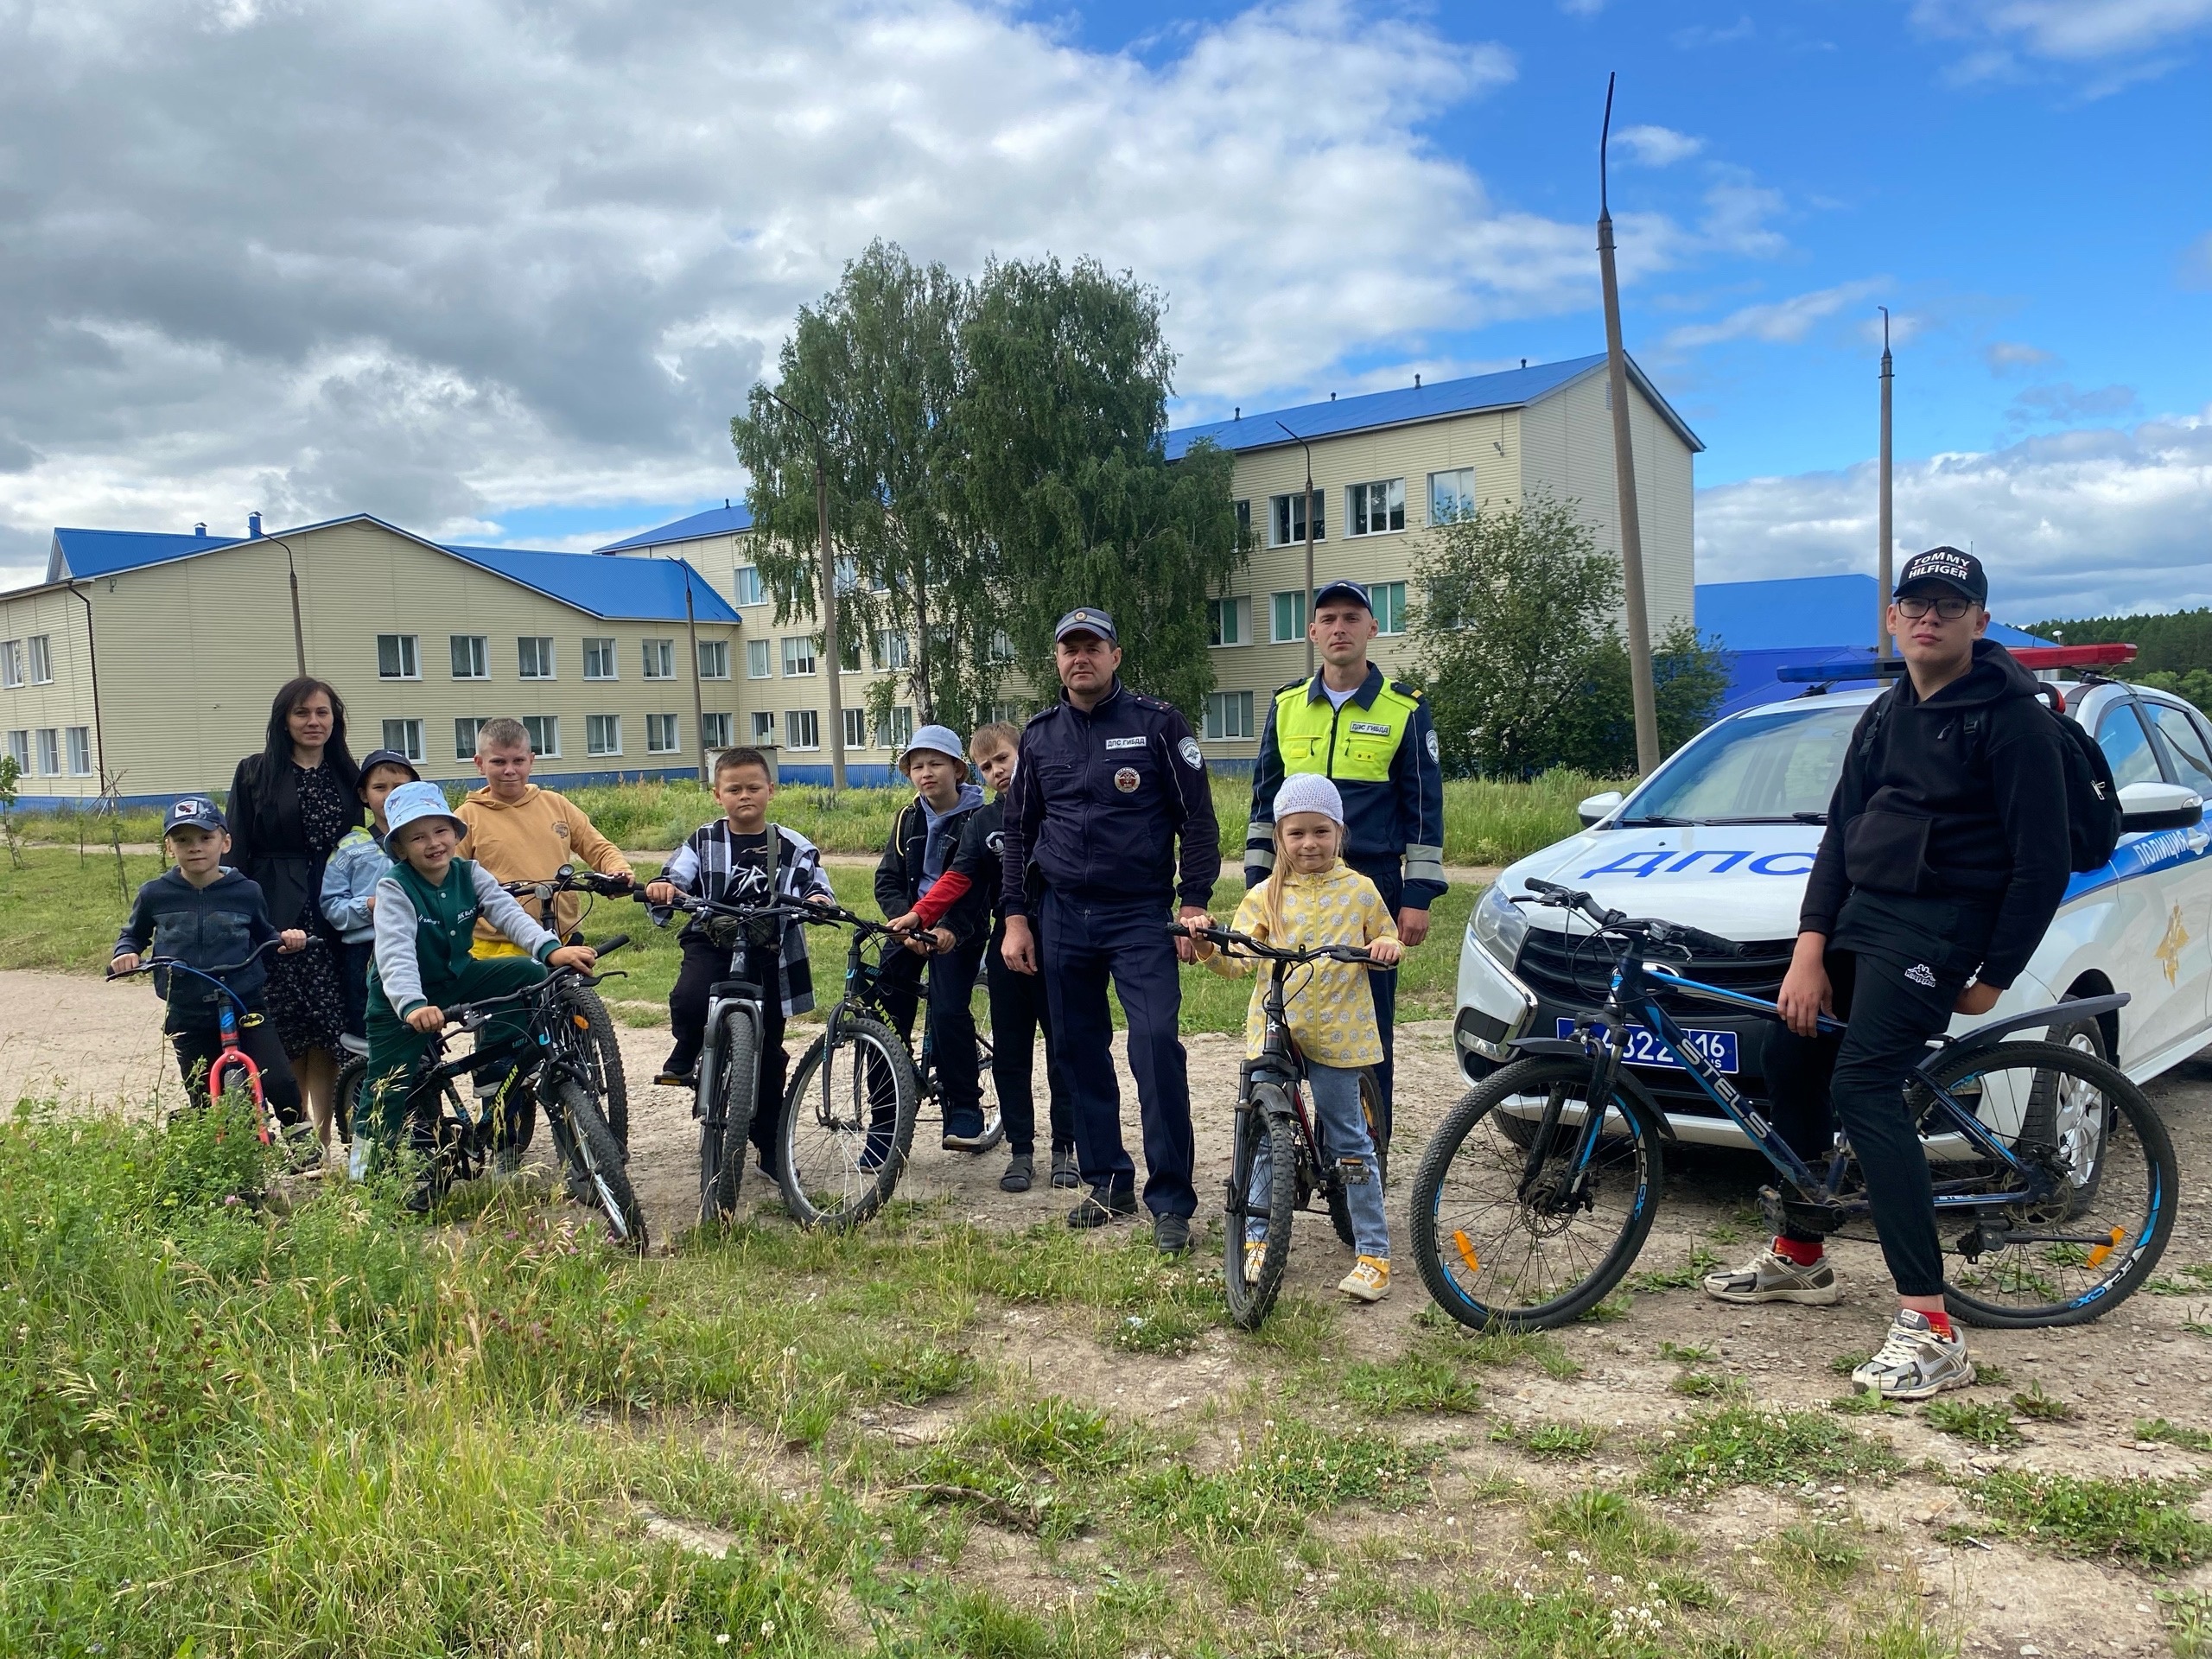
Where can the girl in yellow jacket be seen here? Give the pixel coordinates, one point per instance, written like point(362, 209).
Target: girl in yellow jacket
point(1313, 897)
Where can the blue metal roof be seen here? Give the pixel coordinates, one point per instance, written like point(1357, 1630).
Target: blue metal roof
point(1805, 612)
point(643, 590)
point(726, 520)
point(1509, 389)
point(88, 553)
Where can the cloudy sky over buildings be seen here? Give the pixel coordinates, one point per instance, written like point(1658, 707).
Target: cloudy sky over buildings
point(502, 272)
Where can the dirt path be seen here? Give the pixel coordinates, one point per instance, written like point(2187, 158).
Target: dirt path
point(93, 1046)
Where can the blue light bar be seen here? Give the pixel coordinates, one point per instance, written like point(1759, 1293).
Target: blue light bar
point(1861, 668)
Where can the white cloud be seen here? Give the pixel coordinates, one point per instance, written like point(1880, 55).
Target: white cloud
point(2076, 524)
point(1778, 323)
point(2009, 356)
point(2197, 263)
point(2067, 30)
point(1659, 146)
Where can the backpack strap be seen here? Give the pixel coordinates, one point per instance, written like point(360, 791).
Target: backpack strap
point(1872, 729)
point(771, 857)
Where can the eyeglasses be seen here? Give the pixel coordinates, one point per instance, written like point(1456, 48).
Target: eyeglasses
point(1916, 606)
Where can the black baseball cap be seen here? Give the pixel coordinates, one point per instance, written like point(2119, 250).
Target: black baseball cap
point(1344, 587)
point(1086, 619)
point(376, 758)
point(195, 812)
point(1946, 566)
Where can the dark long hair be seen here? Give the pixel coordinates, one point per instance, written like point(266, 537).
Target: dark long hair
point(277, 752)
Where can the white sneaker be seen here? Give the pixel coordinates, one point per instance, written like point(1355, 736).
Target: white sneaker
point(1914, 1362)
point(1772, 1277)
point(1255, 1252)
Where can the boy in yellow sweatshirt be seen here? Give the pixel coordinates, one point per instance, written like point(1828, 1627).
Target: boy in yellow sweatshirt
point(519, 832)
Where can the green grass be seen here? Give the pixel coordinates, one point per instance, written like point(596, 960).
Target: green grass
point(1752, 1445)
point(1692, 1271)
point(2141, 1521)
point(1985, 1422)
point(1428, 1376)
point(2158, 1428)
point(2033, 1403)
point(1568, 1442)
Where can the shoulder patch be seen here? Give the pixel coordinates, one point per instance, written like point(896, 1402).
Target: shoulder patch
point(1405, 691)
point(1188, 748)
point(1292, 685)
point(1144, 701)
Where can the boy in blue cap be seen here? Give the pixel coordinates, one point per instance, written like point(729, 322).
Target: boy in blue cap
point(208, 917)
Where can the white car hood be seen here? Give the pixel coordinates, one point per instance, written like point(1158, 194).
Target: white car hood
point(1742, 881)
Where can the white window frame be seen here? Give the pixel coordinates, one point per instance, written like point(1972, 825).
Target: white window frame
point(406, 657)
point(1010, 714)
point(602, 656)
point(764, 729)
point(49, 751)
point(1238, 612)
point(893, 649)
point(658, 658)
point(1275, 636)
point(78, 742)
point(548, 729)
point(410, 738)
point(1287, 519)
point(659, 727)
point(19, 745)
point(465, 728)
point(714, 659)
point(760, 660)
point(745, 582)
point(714, 729)
point(42, 658)
point(1229, 715)
point(1465, 508)
point(11, 665)
point(1393, 593)
point(1001, 647)
point(1361, 501)
point(855, 723)
point(802, 729)
point(602, 734)
point(897, 728)
point(799, 662)
point(540, 645)
point(469, 655)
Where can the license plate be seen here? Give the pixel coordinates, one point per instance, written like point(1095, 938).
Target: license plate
point(1718, 1047)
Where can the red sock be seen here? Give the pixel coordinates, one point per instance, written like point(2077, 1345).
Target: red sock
point(1941, 1324)
point(1804, 1252)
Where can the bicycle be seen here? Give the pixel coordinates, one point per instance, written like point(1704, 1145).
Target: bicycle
point(1271, 1111)
point(553, 1063)
point(232, 1066)
point(2054, 1178)
point(607, 1080)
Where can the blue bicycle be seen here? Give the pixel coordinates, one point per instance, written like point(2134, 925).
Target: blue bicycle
point(2056, 1183)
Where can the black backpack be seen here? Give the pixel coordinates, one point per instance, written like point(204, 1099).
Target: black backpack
point(2091, 798)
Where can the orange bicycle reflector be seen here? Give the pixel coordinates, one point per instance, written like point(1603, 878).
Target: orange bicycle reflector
point(1465, 1246)
point(2097, 1255)
point(580, 1022)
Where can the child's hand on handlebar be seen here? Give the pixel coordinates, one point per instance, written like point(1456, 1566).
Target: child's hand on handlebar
point(660, 892)
point(1386, 951)
point(1977, 998)
point(428, 1018)
point(291, 939)
point(573, 956)
point(127, 963)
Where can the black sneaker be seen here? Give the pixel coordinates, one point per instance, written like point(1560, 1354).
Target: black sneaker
point(1171, 1234)
point(1103, 1206)
point(1065, 1170)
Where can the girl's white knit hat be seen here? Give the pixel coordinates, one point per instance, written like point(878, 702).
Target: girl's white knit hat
point(1309, 792)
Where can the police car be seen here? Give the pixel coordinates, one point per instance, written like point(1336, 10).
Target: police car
point(1723, 836)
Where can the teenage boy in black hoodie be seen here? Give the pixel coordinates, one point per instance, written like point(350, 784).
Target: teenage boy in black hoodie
point(1945, 857)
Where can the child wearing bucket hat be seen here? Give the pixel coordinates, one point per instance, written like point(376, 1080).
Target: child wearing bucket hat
point(1312, 897)
point(923, 839)
point(427, 907)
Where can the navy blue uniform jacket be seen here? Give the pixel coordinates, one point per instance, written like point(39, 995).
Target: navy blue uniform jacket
point(1098, 801)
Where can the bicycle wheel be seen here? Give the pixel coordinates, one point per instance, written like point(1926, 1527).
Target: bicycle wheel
point(2081, 1249)
point(602, 1056)
point(1264, 1120)
point(1370, 1106)
point(346, 1097)
point(1494, 1257)
point(848, 1124)
point(587, 1148)
point(726, 1122)
point(993, 1124)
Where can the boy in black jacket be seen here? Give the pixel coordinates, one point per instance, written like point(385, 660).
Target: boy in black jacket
point(206, 917)
point(1945, 857)
point(919, 851)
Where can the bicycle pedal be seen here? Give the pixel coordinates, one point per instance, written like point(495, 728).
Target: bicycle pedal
point(1352, 1172)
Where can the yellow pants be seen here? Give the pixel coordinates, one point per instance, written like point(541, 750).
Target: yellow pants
point(485, 950)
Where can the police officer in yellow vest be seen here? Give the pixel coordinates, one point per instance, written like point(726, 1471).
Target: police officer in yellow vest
point(1374, 737)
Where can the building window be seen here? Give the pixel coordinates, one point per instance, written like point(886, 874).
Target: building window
point(662, 735)
point(1229, 622)
point(760, 660)
point(80, 750)
point(802, 730)
point(1377, 507)
point(600, 660)
point(892, 648)
point(1288, 615)
point(19, 748)
point(405, 737)
point(763, 726)
point(1001, 647)
point(464, 729)
point(848, 653)
point(534, 660)
point(1243, 524)
point(41, 659)
point(745, 582)
point(855, 724)
point(11, 663)
point(468, 657)
point(49, 751)
point(396, 658)
point(1287, 519)
point(1388, 600)
point(1010, 714)
point(1229, 714)
point(714, 731)
point(848, 574)
point(602, 733)
point(897, 731)
point(714, 659)
point(544, 732)
point(798, 656)
point(660, 659)
point(1451, 495)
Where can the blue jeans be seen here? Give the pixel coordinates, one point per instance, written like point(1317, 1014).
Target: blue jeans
point(1342, 1126)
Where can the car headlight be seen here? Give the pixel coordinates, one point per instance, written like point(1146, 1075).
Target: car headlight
point(1498, 925)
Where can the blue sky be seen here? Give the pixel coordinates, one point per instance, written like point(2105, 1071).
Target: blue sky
point(520, 307)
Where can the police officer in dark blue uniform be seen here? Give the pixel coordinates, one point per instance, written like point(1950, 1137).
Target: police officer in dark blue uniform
point(1107, 783)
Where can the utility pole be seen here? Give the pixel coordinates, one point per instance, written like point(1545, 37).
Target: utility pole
point(1308, 449)
point(1882, 647)
point(829, 605)
point(1639, 618)
point(698, 692)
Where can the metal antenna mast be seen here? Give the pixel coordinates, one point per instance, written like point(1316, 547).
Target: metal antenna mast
point(1639, 617)
point(1882, 645)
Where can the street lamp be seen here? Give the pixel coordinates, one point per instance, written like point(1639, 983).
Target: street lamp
point(829, 598)
point(1308, 449)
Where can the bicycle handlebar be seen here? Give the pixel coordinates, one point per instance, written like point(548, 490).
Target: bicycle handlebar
point(807, 911)
point(175, 966)
point(1235, 944)
point(569, 878)
point(1651, 929)
point(469, 1016)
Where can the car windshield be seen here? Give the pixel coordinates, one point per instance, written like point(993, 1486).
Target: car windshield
point(1771, 768)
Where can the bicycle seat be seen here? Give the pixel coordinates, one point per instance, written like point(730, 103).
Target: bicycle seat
point(352, 1044)
point(734, 988)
